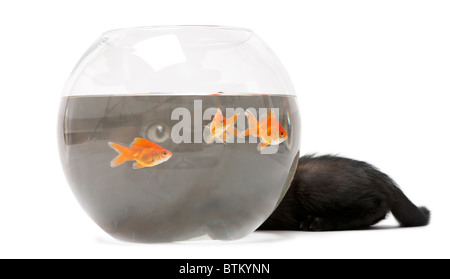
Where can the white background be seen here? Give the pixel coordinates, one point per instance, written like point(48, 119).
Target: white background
point(372, 77)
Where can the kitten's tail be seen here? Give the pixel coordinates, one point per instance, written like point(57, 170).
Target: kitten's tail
point(406, 213)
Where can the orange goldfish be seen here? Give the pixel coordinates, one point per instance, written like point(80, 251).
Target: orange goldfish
point(220, 127)
point(269, 130)
point(146, 154)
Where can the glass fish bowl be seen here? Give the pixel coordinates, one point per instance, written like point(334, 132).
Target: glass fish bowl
point(172, 133)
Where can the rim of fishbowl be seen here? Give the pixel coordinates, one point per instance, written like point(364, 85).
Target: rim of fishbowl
point(105, 36)
point(176, 26)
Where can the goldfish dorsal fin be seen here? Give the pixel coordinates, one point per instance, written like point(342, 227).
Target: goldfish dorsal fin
point(272, 114)
point(218, 116)
point(264, 117)
point(270, 119)
point(232, 120)
point(144, 143)
point(269, 115)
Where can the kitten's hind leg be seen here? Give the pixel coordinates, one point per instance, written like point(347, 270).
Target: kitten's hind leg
point(314, 223)
point(341, 222)
point(306, 223)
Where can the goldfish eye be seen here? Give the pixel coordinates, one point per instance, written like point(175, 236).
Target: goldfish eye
point(282, 134)
point(164, 153)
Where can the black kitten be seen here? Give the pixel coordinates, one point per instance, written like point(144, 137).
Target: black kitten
point(335, 193)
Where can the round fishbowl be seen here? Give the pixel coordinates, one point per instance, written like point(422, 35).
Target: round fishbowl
point(171, 133)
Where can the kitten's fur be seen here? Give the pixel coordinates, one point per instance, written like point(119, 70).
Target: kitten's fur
point(335, 193)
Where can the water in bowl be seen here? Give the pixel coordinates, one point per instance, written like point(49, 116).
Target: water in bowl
point(218, 190)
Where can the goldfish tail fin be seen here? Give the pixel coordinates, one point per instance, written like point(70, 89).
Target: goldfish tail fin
point(125, 154)
point(252, 124)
